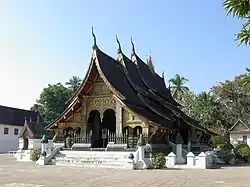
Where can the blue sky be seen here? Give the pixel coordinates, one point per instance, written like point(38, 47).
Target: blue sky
point(44, 42)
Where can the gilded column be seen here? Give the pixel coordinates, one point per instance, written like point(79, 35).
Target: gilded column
point(118, 113)
point(84, 117)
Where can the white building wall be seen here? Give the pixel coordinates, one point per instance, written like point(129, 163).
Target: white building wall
point(235, 138)
point(9, 142)
point(33, 143)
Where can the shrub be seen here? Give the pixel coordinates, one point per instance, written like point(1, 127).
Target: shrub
point(228, 146)
point(219, 140)
point(158, 160)
point(35, 154)
point(242, 152)
point(225, 155)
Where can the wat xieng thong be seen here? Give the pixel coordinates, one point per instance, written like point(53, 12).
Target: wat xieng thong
point(118, 100)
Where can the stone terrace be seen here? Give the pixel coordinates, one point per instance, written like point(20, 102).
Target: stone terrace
point(16, 174)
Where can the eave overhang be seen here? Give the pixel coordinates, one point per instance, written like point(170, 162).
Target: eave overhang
point(74, 106)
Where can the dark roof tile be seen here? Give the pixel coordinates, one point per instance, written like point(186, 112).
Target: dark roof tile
point(37, 130)
point(15, 116)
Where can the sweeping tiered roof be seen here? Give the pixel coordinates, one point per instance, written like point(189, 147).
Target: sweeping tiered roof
point(136, 85)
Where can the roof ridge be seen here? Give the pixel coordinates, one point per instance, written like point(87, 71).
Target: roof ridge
point(16, 108)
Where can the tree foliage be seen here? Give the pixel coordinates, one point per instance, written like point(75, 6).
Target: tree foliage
point(219, 109)
point(53, 98)
point(246, 80)
point(240, 9)
point(74, 83)
point(177, 85)
point(52, 102)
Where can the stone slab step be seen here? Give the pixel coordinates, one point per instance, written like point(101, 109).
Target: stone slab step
point(92, 158)
point(91, 162)
point(95, 155)
point(101, 161)
point(120, 166)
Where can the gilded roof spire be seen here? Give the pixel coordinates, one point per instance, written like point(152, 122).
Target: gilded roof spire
point(119, 50)
point(133, 47)
point(162, 75)
point(93, 34)
point(150, 63)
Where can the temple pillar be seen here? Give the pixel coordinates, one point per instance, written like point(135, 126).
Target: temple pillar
point(84, 118)
point(118, 113)
point(145, 131)
point(167, 137)
point(200, 137)
point(193, 137)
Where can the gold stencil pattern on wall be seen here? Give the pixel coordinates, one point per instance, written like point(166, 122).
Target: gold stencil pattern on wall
point(101, 104)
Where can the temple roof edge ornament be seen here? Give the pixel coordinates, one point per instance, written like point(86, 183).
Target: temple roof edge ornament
point(133, 47)
point(119, 50)
point(94, 37)
point(133, 54)
point(150, 63)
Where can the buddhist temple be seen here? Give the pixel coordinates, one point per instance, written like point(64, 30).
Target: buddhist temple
point(121, 98)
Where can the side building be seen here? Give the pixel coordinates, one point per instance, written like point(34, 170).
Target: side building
point(11, 124)
point(118, 100)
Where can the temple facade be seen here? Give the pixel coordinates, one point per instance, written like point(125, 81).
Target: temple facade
point(121, 98)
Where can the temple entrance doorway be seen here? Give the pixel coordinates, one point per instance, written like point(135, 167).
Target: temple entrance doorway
point(137, 131)
point(109, 123)
point(184, 133)
point(94, 128)
point(68, 132)
point(25, 143)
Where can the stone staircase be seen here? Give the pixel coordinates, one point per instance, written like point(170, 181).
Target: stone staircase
point(102, 159)
point(23, 155)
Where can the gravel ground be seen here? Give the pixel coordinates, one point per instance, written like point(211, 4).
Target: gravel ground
point(19, 174)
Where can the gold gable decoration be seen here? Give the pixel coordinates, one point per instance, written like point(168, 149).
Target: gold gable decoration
point(99, 88)
point(101, 104)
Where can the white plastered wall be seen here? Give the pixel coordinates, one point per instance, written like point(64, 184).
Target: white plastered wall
point(9, 142)
point(235, 138)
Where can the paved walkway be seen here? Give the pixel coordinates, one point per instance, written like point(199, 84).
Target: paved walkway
point(16, 174)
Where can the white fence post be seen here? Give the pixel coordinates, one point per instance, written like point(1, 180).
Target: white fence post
point(170, 160)
point(190, 160)
point(202, 161)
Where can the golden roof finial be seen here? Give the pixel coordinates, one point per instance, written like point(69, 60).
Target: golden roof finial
point(133, 46)
point(93, 34)
point(119, 50)
point(150, 62)
point(162, 75)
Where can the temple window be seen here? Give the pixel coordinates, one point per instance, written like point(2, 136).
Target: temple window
point(245, 139)
point(15, 131)
point(6, 130)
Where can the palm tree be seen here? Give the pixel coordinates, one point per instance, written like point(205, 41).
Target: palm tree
point(177, 85)
point(246, 80)
point(74, 83)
